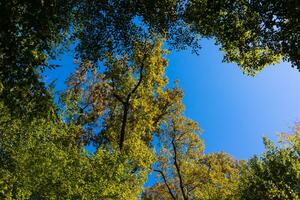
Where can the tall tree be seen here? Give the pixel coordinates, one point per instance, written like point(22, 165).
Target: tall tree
point(183, 170)
point(120, 106)
point(126, 99)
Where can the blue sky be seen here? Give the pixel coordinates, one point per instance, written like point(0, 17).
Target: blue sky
point(236, 110)
point(233, 109)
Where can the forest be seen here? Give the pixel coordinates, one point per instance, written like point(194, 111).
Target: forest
point(120, 101)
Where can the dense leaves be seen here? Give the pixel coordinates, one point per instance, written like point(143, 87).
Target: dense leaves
point(274, 175)
point(252, 33)
point(30, 33)
point(117, 24)
point(126, 101)
point(118, 104)
point(45, 159)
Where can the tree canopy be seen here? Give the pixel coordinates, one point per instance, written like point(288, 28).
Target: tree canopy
point(275, 174)
point(252, 34)
point(119, 102)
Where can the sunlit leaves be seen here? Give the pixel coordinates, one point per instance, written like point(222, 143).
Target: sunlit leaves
point(253, 34)
point(274, 175)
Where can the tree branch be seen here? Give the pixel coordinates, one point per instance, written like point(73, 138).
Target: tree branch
point(119, 98)
point(185, 196)
point(126, 105)
point(166, 183)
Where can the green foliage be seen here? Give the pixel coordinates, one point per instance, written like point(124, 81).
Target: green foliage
point(42, 160)
point(45, 159)
point(235, 27)
point(251, 33)
point(125, 102)
point(280, 27)
point(118, 100)
point(219, 177)
point(30, 33)
point(117, 25)
point(274, 175)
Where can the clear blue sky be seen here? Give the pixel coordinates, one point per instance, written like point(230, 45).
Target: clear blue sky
point(234, 110)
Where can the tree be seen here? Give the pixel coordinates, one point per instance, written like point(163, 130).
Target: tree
point(183, 170)
point(274, 175)
point(126, 101)
point(117, 24)
point(46, 159)
point(280, 27)
point(118, 100)
point(117, 109)
point(125, 104)
point(41, 159)
point(30, 35)
point(252, 33)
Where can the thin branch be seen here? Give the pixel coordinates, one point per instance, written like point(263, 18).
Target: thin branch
point(194, 187)
point(185, 196)
point(123, 127)
point(139, 81)
point(166, 183)
point(80, 119)
point(119, 98)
